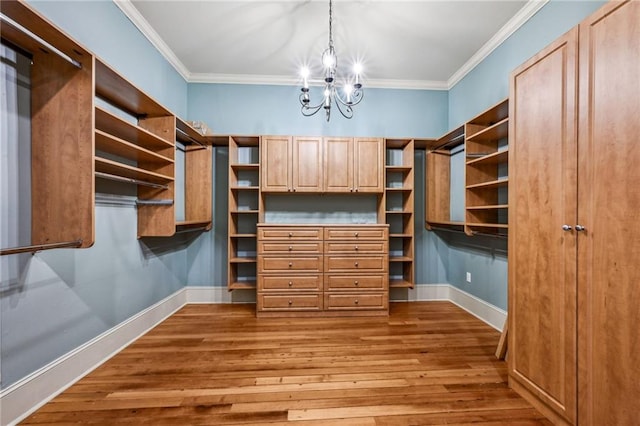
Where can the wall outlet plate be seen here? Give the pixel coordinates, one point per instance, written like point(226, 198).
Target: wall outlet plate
point(468, 277)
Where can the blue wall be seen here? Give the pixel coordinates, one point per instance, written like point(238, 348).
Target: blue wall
point(54, 301)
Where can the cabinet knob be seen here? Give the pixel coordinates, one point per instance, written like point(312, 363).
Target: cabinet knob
point(566, 227)
point(290, 283)
point(355, 234)
point(290, 302)
point(580, 228)
point(355, 282)
point(356, 189)
point(290, 264)
point(356, 301)
point(294, 190)
point(290, 248)
point(356, 263)
point(290, 234)
point(356, 247)
point(351, 189)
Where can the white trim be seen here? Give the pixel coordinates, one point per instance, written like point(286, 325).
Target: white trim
point(154, 38)
point(522, 16)
point(509, 28)
point(490, 314)
point(27, 395)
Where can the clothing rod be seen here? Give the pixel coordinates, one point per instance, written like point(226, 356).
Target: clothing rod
point(130, 180)
point(449, 142)
point(482, 234)
point(46, 44)
point(191, 138)
point(38, 247)
point(154, 202)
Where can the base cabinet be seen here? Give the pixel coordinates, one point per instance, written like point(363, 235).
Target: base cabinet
point(573, 239)
point(323, 270)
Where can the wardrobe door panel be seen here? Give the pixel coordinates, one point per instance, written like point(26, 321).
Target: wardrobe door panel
point(609, 205)
point(542, 256)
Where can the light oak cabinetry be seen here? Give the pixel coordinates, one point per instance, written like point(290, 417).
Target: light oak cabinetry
point(354, 165)
point(328, 270)
point(574, 240)
point(291, 164)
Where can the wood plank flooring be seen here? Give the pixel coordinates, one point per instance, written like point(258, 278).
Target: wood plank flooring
point(428, 363)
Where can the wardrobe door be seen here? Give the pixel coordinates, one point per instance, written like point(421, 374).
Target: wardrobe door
point(609, 209)
point(542, 250)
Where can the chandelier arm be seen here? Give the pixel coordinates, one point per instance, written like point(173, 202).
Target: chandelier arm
point(349, 111)
point(356, 98)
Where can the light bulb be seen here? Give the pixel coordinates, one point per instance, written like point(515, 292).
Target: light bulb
point(304, 72)
point(329, 61)
point(357, 68)
point(348, 90)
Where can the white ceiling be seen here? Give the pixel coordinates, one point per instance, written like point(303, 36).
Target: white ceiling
point(412, 44)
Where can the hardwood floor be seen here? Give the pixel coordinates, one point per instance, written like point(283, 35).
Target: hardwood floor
point(428, 363)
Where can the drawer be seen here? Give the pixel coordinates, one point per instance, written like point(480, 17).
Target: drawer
point(355, 282)
point(290, 302)
point(336, 263)
point(356, 247)
point(290, 283)
point(268, 264)
point(290, 233)
point(355, 233)
point(297, 247)
point(355, 301)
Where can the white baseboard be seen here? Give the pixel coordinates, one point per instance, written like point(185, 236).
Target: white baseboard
point(27, 395)
point(24, 397)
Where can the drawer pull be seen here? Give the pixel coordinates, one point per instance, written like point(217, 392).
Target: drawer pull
point(290, 248)
point(290, 283)
point(356, 248)
point(356, 263)
point(290, 302)
point(290, 234)
point(355, 234)
point(356, 301)
point(290, 264)
point(355, 282)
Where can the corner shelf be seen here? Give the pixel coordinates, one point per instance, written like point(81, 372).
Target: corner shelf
point(399, 210)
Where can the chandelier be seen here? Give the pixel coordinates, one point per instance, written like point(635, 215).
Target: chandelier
point(352, 88)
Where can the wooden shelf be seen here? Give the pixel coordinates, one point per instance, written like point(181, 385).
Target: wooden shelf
point(187, 135)
point(453, 226)
point(400, 236)
point(399, 212)
point(115, 89)
point(113, 145)
point(489, 225)
point(120, 128)
point(400, 284)
point(451, 140)
point(400, 259)
point(244, 211)
point(399, 169)
point(243, 236)
point(494, 158)
point(244, 166)
point(400, 190)
point(194, 225)
point(489, 207)
point(242, 285)
point(491, 184)
point(242, 260)
point(496, 131)
point(244, 188)
point(113, 167)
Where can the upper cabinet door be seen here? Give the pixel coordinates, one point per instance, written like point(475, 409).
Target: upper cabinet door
point(275, 162)
point(368, 158)
point(338, 165)
point(307, 164)
point(542, 256)
point(609, 200)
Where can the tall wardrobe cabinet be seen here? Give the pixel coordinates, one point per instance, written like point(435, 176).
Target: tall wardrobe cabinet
point(574, 240)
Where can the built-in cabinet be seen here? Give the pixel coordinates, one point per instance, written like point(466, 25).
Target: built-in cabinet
point(573, 244)
point(322, 270)
point(291, 164)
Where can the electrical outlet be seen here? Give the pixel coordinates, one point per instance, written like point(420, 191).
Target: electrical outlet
point(468, 277)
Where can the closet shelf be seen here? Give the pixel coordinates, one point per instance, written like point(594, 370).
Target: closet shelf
point(187, 135)
point(244, 211)
point(494, 132)
point(489, 207)
point(114, 145)
point(494, 158)
point(242, 285)
point(399, 190)
point(488, 225)
point(119, 169)
point(122, 129)
point(400, 236)
point(243, 236)
point(244, 188)
point(244, 166)
point(400, 169)
point(400, 284)
point(400, 259)
point(491, 184)
point(242, 260)
point(399, 212)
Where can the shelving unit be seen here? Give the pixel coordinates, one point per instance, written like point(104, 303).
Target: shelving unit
point(197, 179)
point(486, 171)
point(135, 140)
point(399, 210)
point(438, 181)
point(61, 88)
point(245, 211)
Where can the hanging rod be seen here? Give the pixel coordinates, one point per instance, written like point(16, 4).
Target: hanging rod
point(154, 202)
point(39, 40)
point(456, 231)
point(191, 138)
point(130, 180)
point(450, 142)
point(38, 247)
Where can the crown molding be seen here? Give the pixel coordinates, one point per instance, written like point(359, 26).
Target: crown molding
point(507, 30)
point(147, 30)
point(523, 15)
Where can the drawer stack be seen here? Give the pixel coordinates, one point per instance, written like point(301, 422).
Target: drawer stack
point(329, 270)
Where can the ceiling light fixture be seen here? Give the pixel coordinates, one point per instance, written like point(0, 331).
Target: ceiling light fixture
point(353, 92)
